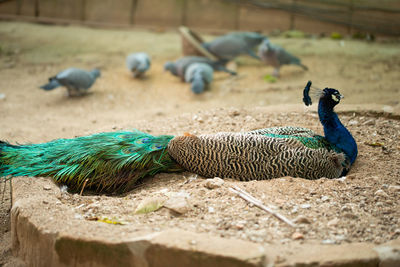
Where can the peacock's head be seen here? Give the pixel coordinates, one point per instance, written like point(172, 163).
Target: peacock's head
point(331, 96)
point(328, 96)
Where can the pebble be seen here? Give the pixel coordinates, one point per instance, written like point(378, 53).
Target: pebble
point(328, 242)
point(214, 183)
point(333, 222)
point(2, 96)
point(351, 216)
point(388, 109)
point(345, 208)
point(302, 219)
point(211, 210)
point(394, 188)
point(297, 236)
point(369, 122)
point(47, 187)
point(178, 204)
point(305, 206)
point(381, 193)
point(324, 198)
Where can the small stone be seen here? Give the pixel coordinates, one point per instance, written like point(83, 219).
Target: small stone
point(235, 113)
point(333, 222)
point(2, 96)
point(369, 122)
point(214, 183)
point(240, 225)
point(302, 219)
point(351, 216)
point(305, 206)
point(346, 208)
point(193, 242)
point(178, 204)
point(328, 242)
point(351, 177)
point(47, 187)
point(381, 193)
point(45, 202)
point(211, 210)
point(324, 198)
point(353, 122)
point(394, 188)
point(388, 109)
point(297, 236)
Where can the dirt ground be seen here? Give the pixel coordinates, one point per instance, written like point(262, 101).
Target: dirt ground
point(363, 207)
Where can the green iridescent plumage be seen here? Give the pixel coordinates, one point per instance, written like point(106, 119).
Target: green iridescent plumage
point(110, 161)
point(114, 162)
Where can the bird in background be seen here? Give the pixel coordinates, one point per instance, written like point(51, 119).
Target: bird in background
point(227, 47)
point(138, 63)
point(276, 56)
point(199, 75)
point(116, 161)
point(178, 68)
point(77, 81)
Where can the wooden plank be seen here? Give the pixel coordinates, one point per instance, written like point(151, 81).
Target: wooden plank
point(161, 13)
point(211, 14)
point(26, 7)
point(60, 9)
point(9, 8)
point(265, 20)
point(108, 11)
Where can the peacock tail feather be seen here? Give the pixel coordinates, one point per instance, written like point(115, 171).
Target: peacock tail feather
point(108, 162)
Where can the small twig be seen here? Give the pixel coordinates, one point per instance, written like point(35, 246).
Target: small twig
point(246, 196)
point(83, 186)
point(4, 189)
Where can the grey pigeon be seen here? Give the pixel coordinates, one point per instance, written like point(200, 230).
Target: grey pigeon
point(276, 56)
point(178, 68)
point(138, 63)
point(76, 81)
point(200, 75)
point(231, 45)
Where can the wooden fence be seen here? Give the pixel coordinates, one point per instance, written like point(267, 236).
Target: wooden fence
point(314, 16)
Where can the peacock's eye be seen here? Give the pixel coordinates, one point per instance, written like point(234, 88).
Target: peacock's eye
point(143, 141)
point(157, 146)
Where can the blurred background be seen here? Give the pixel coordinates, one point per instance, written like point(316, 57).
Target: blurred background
point(312, 16)
point(350, 45)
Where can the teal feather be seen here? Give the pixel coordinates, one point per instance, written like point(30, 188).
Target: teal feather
point(110, 161)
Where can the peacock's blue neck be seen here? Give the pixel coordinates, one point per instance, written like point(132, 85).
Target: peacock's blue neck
point(335, 132)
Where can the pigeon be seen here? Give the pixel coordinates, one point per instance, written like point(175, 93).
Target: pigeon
point(276, 56)
point(77, 81)
point(138, 63)
point(231, 45)
point(178, 68)
point(200, 75)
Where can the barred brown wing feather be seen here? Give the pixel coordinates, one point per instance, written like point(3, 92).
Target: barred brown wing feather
point(246, 156)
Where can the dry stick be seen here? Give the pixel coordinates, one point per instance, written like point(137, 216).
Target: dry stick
point(246, 196)
point(83, 186)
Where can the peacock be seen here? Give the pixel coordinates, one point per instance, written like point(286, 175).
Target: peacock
point(116, 161)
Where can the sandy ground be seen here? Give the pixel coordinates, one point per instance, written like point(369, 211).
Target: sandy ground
point(362, 207)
